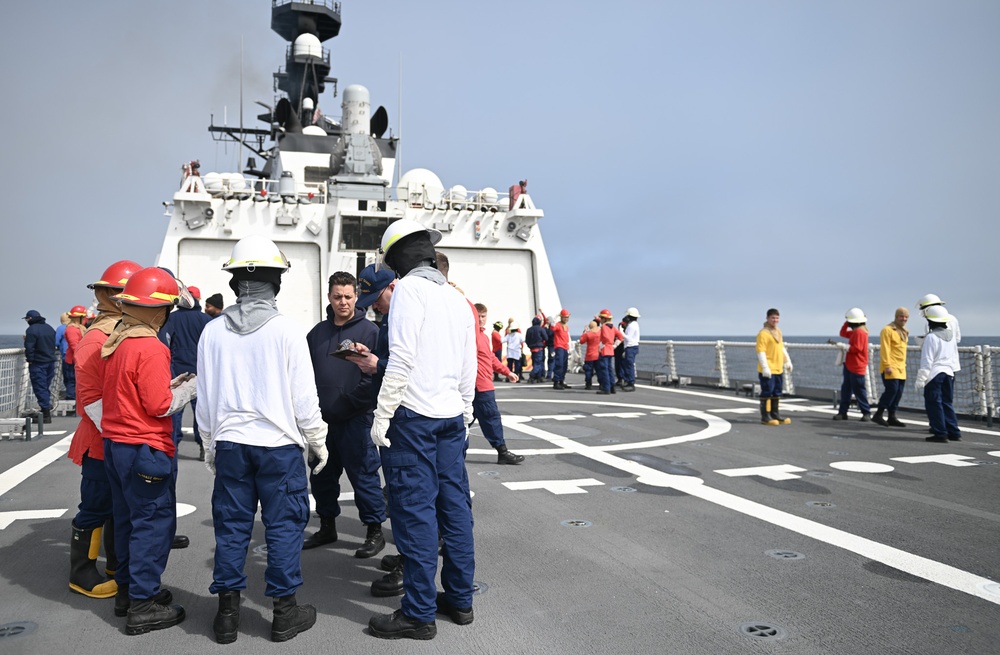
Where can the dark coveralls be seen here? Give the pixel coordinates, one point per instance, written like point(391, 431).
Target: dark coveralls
point(40, 353)
point(181, 333)
point(346, 402)
point(534, 338)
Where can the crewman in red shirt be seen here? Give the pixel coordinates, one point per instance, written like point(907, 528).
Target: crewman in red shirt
point(591, 342)
point(560, 342)
point(610, 338)
point(484, 403)
point(855, 365)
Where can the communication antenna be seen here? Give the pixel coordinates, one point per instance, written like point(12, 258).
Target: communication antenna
point(238, 151)
point(399, 122)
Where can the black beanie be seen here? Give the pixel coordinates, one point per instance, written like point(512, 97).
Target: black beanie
point(215, 300)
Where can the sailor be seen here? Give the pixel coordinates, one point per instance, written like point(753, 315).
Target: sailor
point(930, 300)
point(630, 346)
point(892, 366)
point(560, 342)
point(424, 408)
point(40, 353)
point(181, 333)
point(376, 286)
point(94, 519)
point(137, 399)
point(484, 404)
point(346, 402)
point(610, 338)
point(515, 344)
point(550, 350)
point(936, 377)
point(772, 362)
point(259, 411)
point(72, 335)
point(590, 340)
point(855, 365)
point(61, 345)
point(534, 339)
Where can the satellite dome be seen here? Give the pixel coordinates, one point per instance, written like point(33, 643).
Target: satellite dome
point(420, 181)
point(307, 45)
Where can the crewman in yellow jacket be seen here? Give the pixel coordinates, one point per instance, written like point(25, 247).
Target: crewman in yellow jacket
point(892, 366)
point(772, 362)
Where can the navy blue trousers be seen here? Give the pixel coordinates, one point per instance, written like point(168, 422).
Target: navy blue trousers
point(429, 493)
point(771, 387)
point(892, 395)
point(69, 381)
point(590, 369)
point(145, 520)
point(485, 410)
point(559, 365)
point(351, 450)
point(938, 398)
point(606, 372)
point(96, 505)
point(275, 478)
point(178, 422)
point(628, 364)
point(550, 362)
point(41, 379)
point(538, 364)
point(854, 383)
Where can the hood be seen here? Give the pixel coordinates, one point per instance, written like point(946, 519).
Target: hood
point(359, 315)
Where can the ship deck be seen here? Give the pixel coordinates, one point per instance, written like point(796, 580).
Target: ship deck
point(661, 521)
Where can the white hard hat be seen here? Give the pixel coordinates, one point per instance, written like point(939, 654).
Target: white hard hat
point(513, 326)
point(256, 251)
point(633, 312)
point(937, 313)
point(855, 315)
point(928, 301)
point(405, 227)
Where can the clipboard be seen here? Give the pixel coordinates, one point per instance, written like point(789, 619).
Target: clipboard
point(344, 354)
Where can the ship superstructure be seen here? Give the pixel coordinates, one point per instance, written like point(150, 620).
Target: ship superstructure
point(324, 193)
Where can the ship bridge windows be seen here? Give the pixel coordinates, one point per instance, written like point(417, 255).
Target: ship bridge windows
point(362, 232)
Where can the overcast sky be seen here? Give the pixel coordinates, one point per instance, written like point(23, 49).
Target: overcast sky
point(702, 160)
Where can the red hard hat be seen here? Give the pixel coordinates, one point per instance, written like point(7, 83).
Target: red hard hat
point(564, 312)
point(605, 313)
point(78, 310)
point(149, 287)
point(117, 275)
point(196, 292)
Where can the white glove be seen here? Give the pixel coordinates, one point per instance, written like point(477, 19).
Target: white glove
point(316, 438)
point(389, 398)
point(922, 376)
point(183, 393)
point(467, 418)
point(765, 370)
point(210, 459)
point(788, 362)
point(95, 411)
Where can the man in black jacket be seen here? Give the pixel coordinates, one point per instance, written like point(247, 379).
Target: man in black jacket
point(40, 353)
point(345, 399)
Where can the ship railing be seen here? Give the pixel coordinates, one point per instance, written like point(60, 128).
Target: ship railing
point(235, 186)
point(16, 396)
point(329, 4)
point(817, 371)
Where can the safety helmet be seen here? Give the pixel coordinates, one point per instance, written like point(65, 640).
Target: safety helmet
point(498, 325)
point(256, 251)
point(633, 312)
point(929, 301)
point(605, 313)
point(78, 310)
point(117, 275)
point(564, 312)
point(937, 313)
point(402, 228)
point(149, 287)
point(855, 315)
point(513, 326)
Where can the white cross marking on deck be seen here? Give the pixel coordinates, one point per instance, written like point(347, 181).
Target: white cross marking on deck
point(776, 472)
point(18, 474)
point(619, 414)
point(946, 459)
point(6, 518)
point(558, 487)
point(559, 417)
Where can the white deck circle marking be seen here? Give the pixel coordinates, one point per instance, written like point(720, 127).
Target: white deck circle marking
point(862, 467)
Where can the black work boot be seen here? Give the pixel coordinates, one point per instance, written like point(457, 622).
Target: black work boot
point(122, 601)
point(46, 415)
point(327, 534)
point(374, 542)
point(504, 456)
point(84, 578)
point(227, 621)
point(291, 618)
point(895, 422)
point(389, 562)
point(390, 584)
point(775, 416)
point(398, 626)
point(459, 616)
point(765, 412)
point(201, 452)
point(111, 559)
point(180, 541)
point(145, 615)
point(878, 417)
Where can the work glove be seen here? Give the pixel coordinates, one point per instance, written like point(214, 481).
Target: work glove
point(765, 370)
point(467, 418)
point(922, 376)
point(788, 362)
point(389, 398)
point(316, 439)
point(95, 411)
point(184, 390)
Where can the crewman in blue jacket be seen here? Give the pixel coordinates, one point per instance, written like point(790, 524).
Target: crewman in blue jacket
point(40, 353)
point(346, 402)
